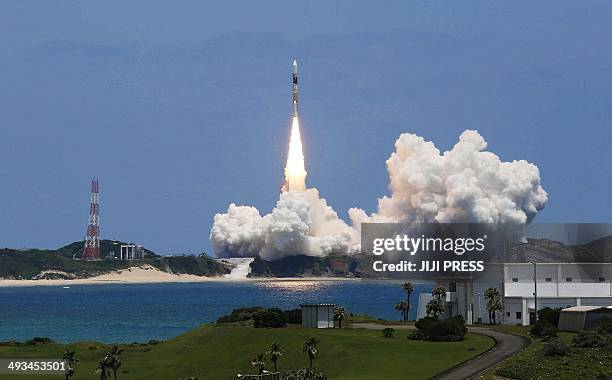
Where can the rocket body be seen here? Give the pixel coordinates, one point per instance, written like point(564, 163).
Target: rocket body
point(294, 77)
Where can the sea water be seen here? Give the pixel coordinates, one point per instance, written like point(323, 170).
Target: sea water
point(140, 312)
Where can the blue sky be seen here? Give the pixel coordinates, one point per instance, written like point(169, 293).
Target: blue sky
point(181, 109)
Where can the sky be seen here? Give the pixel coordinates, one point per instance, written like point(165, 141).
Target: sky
point(183, 108)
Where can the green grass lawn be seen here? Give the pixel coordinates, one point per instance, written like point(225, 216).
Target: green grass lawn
point(220, 352)
point(364, 318)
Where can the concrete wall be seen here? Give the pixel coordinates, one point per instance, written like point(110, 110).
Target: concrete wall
point(318, 316)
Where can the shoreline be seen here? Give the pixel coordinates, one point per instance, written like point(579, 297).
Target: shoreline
point(139, 275)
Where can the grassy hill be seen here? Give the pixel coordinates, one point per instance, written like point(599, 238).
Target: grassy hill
point(61, 263)
point(220, 352)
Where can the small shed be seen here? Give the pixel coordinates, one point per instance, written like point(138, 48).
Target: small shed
point(582, 317)
point(318, 315)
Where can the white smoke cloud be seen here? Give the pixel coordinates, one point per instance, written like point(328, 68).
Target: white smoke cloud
point(301, 224)
point(465, 184)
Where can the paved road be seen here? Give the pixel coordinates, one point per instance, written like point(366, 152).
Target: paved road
point(506, 345)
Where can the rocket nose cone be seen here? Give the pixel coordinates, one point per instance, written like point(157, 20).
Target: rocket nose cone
point(294, 67)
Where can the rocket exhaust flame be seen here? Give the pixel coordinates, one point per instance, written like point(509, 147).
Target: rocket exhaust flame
point(295, 172)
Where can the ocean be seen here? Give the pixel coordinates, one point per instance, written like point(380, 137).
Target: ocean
point(123, 313)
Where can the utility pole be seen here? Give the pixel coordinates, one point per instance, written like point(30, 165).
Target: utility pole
point(479, 310)
point(535, 290)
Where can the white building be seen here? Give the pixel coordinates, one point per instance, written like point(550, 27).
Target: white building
point(319, 316)
point(558, 285)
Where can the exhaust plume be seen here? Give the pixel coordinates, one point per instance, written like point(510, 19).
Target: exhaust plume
point(295, 172)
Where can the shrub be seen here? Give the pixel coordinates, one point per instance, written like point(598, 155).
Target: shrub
point(514, 370)
point(294, 316)
point(433, 329)
point(556, 347)
point(270, 318)
point(604, 325)
point(38, 340)
point(543, 330)
point(549, 315)
point(305, 374)
point(240, 315)
point(417, 335)
point(244, 314)
point(388, 332)
point(589, 339)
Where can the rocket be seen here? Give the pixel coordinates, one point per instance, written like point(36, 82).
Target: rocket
point(294, 77)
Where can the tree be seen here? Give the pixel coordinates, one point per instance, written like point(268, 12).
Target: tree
point(435, 306)
point(402, 307)
point(104, 368)
point(275, 352)
point(310, 348)
point(115, 360)
point(70, 362)
point(339, 315)
point(438, 293)
point(493, 304)
point(259, 363)
point(408, 289)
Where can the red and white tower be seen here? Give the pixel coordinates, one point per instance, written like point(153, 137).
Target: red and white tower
point(92, 242)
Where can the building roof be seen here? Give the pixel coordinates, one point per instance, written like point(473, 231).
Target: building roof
point(580, 309)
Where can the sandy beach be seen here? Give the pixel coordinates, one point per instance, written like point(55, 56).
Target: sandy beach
point(146, 275)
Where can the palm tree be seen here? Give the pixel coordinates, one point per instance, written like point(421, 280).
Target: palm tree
point(310, 348)
point(70, 362)
point(115, 360)
point(402, 307)
point(408, 289)
point(339, 315)
point(104, 367)
point(259, 363)
point(275, 352)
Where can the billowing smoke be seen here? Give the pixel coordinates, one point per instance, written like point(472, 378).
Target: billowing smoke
point(465, 184)
point(301, 224)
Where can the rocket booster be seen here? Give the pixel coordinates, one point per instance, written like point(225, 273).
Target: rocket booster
point(294, 77)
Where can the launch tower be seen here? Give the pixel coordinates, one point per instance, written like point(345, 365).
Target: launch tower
point(92, 242)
